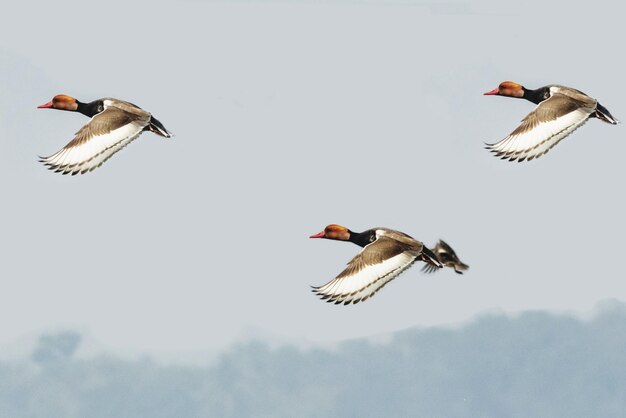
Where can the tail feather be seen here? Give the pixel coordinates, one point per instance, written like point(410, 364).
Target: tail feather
point(604, 115)
point(430, 258)
point(158, 128)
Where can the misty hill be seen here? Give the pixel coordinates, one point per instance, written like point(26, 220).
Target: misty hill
point(532, 365)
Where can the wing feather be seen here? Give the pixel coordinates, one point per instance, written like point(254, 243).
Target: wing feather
point(368, 272)
point(549, 123)
point(104, 135)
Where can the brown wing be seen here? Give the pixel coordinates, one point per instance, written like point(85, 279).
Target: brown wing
point(575, 94)
point(543, 128)
point(375, 266)
point(105, 122)
point(106, 133)
point(126, 107)
point(375, 253)
point(556, 106)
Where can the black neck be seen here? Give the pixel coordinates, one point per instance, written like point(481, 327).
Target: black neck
point(536, 96)
point(361, 238)
point(89, 109)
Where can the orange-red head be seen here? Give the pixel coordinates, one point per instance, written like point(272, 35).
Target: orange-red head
point(507, 88)
point(61, 102)
point(333, 231)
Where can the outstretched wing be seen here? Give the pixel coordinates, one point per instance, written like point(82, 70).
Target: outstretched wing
point(106, 133)
point(543, 128)
point(375, 266)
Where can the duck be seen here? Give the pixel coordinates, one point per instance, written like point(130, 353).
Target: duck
point(114, 124)
point(560, 111)
point(447, 257)
point(386, 253)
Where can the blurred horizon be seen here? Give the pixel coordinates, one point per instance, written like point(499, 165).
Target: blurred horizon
point(529, 364)
point(88, 345)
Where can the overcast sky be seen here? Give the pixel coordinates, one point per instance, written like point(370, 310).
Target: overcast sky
point(289, 116)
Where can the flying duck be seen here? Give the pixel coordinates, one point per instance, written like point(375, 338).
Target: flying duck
point(446, 256)
point(386, 253)
point(560, 111)
point(114, 124)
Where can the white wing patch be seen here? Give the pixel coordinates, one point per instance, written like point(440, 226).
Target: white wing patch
point(92, 153)
point(537, 141)
point(364, 283)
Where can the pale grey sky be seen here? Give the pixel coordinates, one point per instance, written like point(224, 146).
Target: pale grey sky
point(289, 116)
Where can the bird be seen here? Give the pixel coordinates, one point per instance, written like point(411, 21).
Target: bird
point(386, 253)
point(447, 257)
point(560, 111)
point(114, 124)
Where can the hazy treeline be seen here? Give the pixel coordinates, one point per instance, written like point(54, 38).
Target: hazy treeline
point(535, 364)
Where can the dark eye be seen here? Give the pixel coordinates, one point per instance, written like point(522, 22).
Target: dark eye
point(372, 237)
point(100, 107)
point(546, 95)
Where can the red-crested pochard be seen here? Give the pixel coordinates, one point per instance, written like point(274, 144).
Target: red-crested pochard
point(560, 111)
point(447, 257)
point(386, 253)
point(114, 124)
